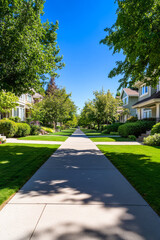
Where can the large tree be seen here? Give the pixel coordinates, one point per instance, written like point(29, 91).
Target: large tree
point(28, 47)
point(136, 33)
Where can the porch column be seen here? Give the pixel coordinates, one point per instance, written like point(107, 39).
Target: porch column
point(157, 111)
point(139, 113)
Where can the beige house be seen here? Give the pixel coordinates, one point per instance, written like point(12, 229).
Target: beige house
point(23, 109)
point(128, 97)
point(148, 104)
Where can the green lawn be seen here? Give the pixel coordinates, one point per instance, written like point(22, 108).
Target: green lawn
point(110, 139)
point(141, 166)
point(92, 132)
point(67, 132)
point(18, 162)
point(45, 138)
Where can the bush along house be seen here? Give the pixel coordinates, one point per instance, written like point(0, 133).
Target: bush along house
point(148, 104)
point(129, 97)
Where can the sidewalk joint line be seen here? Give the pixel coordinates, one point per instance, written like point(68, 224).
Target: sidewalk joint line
point(37, 222)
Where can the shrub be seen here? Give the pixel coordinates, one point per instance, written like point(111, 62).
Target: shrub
point(58, 128)
point(2, 140)
point(132, 137)
point(15, 119)
point(112, 128)
point(136, 128)
point(35, 129)
point(114, 133)
point(47, 129)
point(132, 119)
point(155, 129)
point(23, 130)
point(28, 120)
point(8, 128)
point(153, 140)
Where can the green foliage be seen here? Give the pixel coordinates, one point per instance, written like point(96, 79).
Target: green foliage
point(132, 137)
point(8, 128)
point(35, 129)
point(58, 107)
point(114, 133)
point(72, 123)
point(153, 140)
point(136, 128)
point(15, 119)
point(132, 119)
point(155, 129)
point(47, 129)
point(101, 110)
point(2, 141)
point(136, 33)
point(23, 130)
point(8, 101)
point(28, 47)
point(112, 128)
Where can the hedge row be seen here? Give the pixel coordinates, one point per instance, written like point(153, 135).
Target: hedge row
point(112, 128)
point(10, 129)
point(136, 128)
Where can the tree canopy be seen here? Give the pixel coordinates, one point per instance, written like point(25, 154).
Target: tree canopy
point(28, 47)
point(55, 107)
point(101, 110)
point(136, 33)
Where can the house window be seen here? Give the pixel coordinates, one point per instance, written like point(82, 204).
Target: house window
point(158, 87)
point(29, 98)
point(125, 100)
point(22, 97)
point(144, 90)
point(19, 112)
point(147, 113)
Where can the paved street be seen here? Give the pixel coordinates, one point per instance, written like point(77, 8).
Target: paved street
point(78, 195)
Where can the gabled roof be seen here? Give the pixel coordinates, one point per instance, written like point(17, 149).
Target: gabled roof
point(37, 95)
point(153, 96)
point(130, 92)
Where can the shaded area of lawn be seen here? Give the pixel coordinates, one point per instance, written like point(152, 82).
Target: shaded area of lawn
point(110, 139)
point(141, 166)
point(45, 138)
point(18, 162)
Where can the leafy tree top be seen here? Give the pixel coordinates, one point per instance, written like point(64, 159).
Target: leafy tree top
point(136, 33)
point(29, 47)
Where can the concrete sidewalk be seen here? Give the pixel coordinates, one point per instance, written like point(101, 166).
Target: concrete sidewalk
point(78, 195)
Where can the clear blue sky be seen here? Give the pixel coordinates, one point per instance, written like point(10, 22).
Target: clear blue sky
point(81, 27)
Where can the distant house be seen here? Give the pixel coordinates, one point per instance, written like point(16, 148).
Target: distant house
point(129, 97)
point(23, 109)
point(148, 104)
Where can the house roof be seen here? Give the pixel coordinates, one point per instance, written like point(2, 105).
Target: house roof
point(37, 95)
point(153, 96)
point(131, 92)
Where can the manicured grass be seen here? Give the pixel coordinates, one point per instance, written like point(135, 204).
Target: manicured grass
point(92, 132)
point(141, 166)
point(110, 139)
point(18, 162)
point(67, 132)
point(44, 138)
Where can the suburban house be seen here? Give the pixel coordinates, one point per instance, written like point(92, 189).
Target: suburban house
point(23, 109)
point(148, 104)
point(129, 97)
